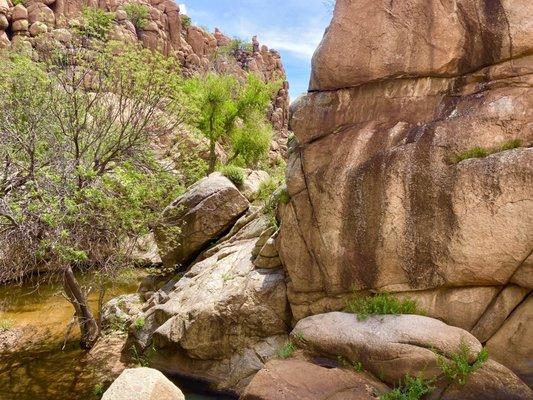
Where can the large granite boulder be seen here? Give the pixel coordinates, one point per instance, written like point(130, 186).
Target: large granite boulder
point(225, 317)
point(389, 346)
point(394, 346)
point(301, 380)
point(412, 168)
point(205, 212)
point(370, 40)
point(142, 384)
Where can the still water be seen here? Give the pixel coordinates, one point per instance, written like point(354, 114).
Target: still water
point(41, 370)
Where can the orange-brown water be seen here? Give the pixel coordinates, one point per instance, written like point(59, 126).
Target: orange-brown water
point(41, 370)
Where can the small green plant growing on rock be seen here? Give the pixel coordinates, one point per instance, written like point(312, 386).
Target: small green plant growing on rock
point(5, 325)
point(139, 323)
point(357, 366)
point(288, 350)
point(227, 277)
point(17, 2)
point(98, 390)
point(138, 14)
point(234, 174)
point(458, 368)
point(411, 388)
point(380, 304)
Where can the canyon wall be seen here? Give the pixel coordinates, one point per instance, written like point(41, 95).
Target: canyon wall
point(412, 172)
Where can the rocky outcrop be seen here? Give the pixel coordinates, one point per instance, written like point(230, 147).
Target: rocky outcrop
point(142, 384)
point(412, 171)
point(225, 317)
point(394, 346)
point(198, 51)
point(208, 209)
point(301, 380)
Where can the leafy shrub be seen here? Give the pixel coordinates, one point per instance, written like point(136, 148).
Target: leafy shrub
point(236, 46)
point(287, 350)
point(185, 21)
point(481, 152)
point(96, 23)
point(410, 388)
point(380, 304)
point(138, 14)
point(17, 2)
point(233, 173)
point(458, 368)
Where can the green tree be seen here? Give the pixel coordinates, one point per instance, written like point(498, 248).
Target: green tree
point(77, 174)
point(233, 113)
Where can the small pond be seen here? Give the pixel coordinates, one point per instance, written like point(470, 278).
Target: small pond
point(42, 371)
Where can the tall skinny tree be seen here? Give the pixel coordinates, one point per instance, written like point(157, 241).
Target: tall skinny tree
point(233, 113)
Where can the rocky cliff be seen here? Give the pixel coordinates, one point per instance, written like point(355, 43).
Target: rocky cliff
point(412, 171)
point(165, 30)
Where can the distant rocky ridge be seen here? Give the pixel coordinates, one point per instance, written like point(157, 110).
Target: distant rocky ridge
point(165, 31)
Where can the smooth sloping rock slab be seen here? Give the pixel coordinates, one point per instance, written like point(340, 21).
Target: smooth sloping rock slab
point(142, 384)
point(389, 346)
point(205, 212)
point(301, 380)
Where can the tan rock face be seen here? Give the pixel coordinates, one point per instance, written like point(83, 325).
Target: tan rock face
point(385, 193)
point(374, 40)
point(300, 380)
point(197, 218)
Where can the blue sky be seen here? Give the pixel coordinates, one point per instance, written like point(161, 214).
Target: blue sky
point(294, 27)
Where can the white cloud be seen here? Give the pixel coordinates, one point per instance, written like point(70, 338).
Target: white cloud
point(183, 9)
point(299, 40)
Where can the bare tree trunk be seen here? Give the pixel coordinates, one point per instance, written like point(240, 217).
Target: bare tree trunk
point(88, 325)
point(212, 157)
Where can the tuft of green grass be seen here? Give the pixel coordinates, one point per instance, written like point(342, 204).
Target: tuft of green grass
point(511, 144)
point(381, 304)
point(227, 277)
point(5, 325)
point(457, 369)
point(481, 152)
point(475, 152)
point(139, 323)
point(411, 388)
point(233, 173)
point(288, 350)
